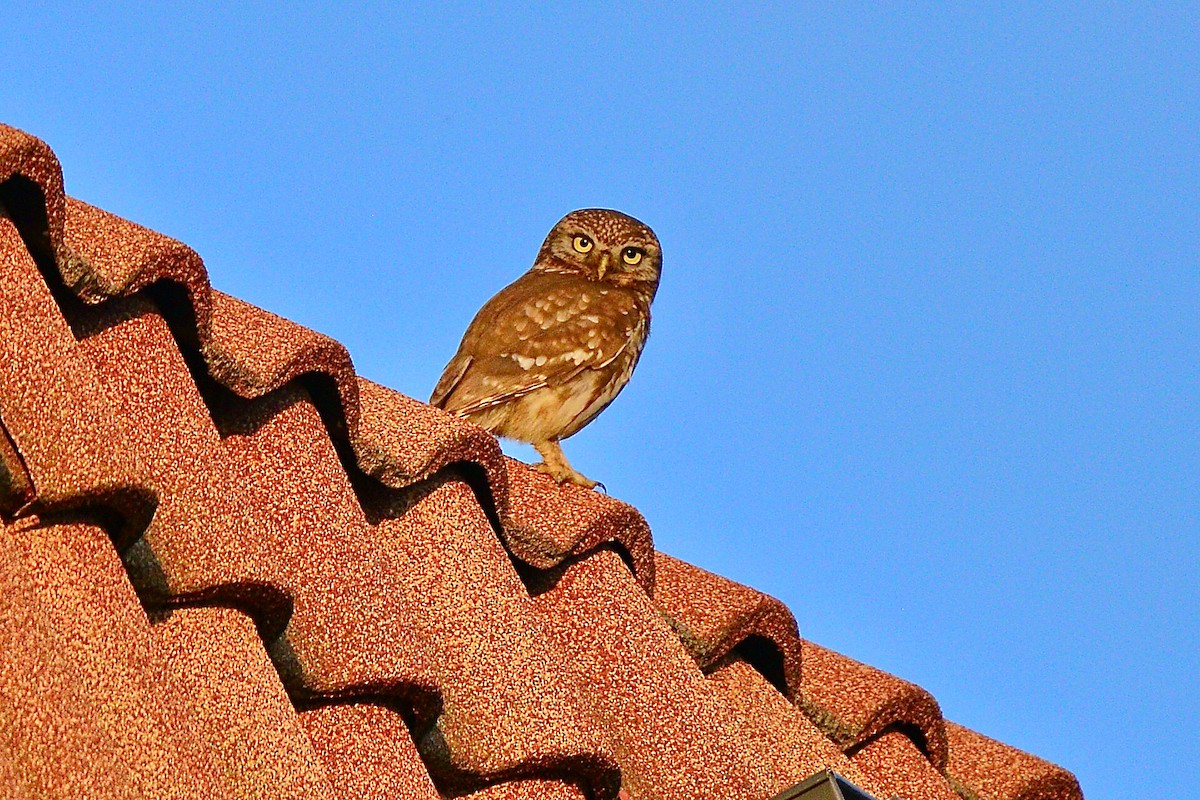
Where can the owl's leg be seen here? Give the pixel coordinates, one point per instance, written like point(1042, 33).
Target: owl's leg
point(554, 464)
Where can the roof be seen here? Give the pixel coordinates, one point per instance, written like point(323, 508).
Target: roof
point(232, 567)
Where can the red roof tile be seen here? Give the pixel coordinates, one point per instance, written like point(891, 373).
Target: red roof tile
point(853, 702)
point(768, 715)
point(984, 769)
point(661, 710)
point(529, 790)
point(715, 616)
point(898, 768)
point(31, 191)
point(402, 441)
point(367, 752)
point(237, 701)
point(549, 522)
point(447, 620)
point(109, 706)
point(115, 257)
point(16, 485)
point(61, 429)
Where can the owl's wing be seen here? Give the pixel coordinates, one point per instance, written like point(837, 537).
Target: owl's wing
point(541, 331)
point(450, 377)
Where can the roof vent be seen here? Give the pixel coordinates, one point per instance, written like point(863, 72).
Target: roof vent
point(825, 785)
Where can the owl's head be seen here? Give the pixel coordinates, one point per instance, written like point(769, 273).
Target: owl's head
point(603, 245)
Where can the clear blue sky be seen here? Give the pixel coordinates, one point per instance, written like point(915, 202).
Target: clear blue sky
point(924, 361)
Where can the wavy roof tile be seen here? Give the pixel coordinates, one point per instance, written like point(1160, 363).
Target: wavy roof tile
point(853, 703)
point(233, 567)
point(715, 616)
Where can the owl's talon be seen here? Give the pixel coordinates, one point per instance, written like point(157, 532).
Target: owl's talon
point(565, 474)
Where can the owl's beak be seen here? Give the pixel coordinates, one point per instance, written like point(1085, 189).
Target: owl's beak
point(603, 268)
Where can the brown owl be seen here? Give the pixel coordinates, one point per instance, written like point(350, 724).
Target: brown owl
point(548, 353)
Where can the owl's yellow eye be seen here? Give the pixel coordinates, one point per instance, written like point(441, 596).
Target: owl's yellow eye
point(582, 243)
point(632, 255)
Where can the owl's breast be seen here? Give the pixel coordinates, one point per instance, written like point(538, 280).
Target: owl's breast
point(603, 385)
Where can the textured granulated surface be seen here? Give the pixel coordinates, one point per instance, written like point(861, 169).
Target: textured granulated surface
point(551, 522)
point(713, 615)
point(63, 431)
point(529, 790)
point(228, 524)
point(662, 711)
point(983, 768)
point(766, 715)
point(368, 752)
point(25, 159)
point(238, 702)
point(117, 257)
point(401, 441)
point(108, 705)
point(853, 702)
point(255, 352)
point(899, 769)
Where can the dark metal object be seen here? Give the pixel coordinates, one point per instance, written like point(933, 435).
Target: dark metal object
point(825, 785)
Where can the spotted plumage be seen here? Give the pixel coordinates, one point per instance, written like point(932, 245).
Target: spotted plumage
point(552, 349)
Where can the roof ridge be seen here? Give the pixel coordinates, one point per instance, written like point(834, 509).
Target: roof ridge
point(88, 258)
point(715, 616)
point(342, 643)
point(982, 768)
point(854, 703)
point(214, 324)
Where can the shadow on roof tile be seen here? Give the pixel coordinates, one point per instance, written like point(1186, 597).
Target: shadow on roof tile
point(674, 732)
point(549, 523)
point(104, 705)
point(31, 192)
point(899, 769)
point(16, 484)
point(715, 616)
point(853, 702)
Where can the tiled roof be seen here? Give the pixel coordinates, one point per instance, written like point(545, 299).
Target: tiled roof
point(233, 568)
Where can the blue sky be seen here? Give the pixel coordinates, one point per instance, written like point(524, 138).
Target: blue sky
point(924, 360)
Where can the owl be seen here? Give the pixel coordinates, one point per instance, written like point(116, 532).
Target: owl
point(552, 349)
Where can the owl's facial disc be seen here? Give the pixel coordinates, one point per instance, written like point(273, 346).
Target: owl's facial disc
point(602, 245)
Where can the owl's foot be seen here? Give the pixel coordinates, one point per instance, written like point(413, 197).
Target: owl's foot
point(567, 475)
point(555, 464)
